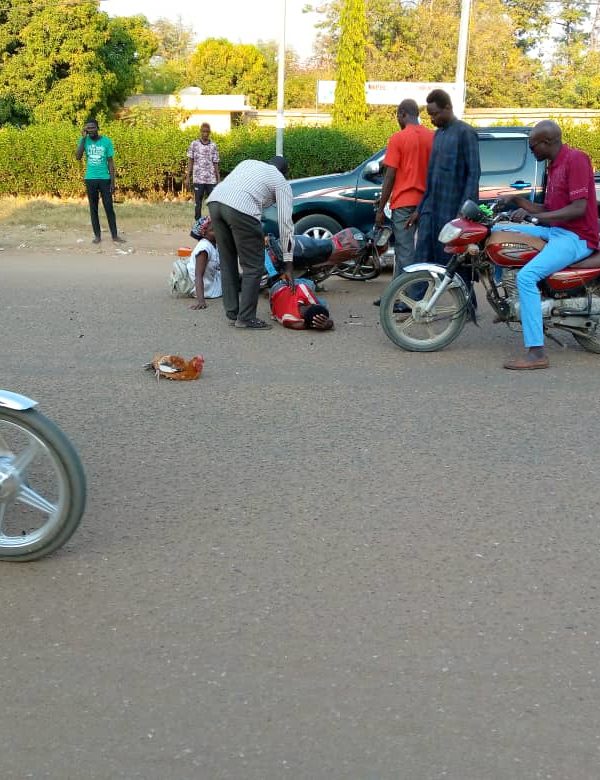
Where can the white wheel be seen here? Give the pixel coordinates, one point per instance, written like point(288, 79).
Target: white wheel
point(42, 486)
point(414, 329)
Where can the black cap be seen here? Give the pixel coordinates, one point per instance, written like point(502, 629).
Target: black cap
point(280, 163)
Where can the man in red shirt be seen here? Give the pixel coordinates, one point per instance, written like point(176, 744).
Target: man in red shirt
point(406, 160)
point(298, 307)
point(568, 222)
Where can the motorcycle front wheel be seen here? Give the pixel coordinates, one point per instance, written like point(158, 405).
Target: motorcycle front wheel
point(42, 486)
point(412, 329)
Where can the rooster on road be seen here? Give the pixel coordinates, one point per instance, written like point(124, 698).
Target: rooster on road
point(175, 367)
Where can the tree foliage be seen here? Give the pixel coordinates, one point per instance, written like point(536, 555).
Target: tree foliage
point(220, 67)
point(417, 41)
point(66, 60)
point(350, 103)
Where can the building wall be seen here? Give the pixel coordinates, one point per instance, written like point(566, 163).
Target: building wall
point(480, 117)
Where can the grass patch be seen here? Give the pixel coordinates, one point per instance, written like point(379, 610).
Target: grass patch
point(66, 214)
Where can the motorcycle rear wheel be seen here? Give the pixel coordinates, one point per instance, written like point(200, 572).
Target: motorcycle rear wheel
point(361, 269)
point(418, 333)
point(42, 486)
point(589, 343)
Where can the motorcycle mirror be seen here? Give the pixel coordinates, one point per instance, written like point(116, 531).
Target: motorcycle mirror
point(470, 210)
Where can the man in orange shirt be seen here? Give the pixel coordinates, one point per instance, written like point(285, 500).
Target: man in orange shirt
point(406, 161)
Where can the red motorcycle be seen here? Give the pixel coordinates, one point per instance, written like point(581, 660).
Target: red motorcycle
point(426, 307)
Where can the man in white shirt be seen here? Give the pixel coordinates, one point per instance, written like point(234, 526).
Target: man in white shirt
point(236, 205)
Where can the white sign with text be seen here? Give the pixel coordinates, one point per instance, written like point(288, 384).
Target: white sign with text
point(390, 93)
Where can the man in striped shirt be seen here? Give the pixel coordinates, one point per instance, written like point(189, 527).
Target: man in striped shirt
point(236, 206)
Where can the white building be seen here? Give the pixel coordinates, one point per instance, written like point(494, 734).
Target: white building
point(217, 110)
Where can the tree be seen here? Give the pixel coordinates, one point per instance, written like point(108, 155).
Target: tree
point(65, 60)
point(418, 43)
point(166, 72)
point(175, 39)
point(220, 67)
point(350, 104)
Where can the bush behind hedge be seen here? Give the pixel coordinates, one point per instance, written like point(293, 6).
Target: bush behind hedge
point(151, 162)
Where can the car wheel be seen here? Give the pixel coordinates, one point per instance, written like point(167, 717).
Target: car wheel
point(317, 226)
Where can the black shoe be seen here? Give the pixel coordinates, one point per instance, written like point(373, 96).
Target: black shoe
point(119, 240)
point(377, 302)
point(254, 324)
point(96, 240)
point(401, 308)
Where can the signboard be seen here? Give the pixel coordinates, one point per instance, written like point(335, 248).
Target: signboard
point(390, 93)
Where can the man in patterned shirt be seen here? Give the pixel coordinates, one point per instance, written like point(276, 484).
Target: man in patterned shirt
point(452, 177)
point(202, 167)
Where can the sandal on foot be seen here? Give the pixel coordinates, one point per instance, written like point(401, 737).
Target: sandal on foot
point(254, 324)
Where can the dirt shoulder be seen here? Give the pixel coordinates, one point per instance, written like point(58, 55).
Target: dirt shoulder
point(53, 225)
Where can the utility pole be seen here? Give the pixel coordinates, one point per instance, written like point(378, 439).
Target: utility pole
point(280, 86)
point(461, 56)
point(595, 34)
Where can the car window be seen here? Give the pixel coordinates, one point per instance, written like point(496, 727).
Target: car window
point(502, 155)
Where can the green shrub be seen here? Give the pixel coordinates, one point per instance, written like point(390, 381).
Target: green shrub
point(151, 161)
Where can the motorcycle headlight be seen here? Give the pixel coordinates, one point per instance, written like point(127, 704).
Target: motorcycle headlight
point(448, 233)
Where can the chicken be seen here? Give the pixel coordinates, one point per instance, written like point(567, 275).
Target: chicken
point(176, 367)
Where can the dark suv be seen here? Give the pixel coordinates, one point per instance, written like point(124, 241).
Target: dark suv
point(325, 204)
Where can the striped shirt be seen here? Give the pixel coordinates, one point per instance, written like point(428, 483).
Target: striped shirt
point(253, 186)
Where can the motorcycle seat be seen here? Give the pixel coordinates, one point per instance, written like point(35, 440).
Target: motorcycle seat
point(593, 261)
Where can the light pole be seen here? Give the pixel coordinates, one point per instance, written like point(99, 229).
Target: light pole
point(461, 56)
point(280, 85)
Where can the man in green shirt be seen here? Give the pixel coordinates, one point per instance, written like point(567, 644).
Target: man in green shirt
point(99, 177)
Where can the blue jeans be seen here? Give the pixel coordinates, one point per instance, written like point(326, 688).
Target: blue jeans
point(563, 249)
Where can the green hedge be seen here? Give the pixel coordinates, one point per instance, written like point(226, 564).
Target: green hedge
point(151, 162)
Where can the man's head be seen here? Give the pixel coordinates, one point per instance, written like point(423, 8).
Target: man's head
point(439, 108)
point(408, 113)
point(316, 316)
point(545, 140)
point(91, 128)
point(204, 132)
point(280, 163)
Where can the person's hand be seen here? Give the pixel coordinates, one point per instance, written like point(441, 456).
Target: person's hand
point(322, 322)
point(519, 215)
point(289, 280)
point(199, 305)
point(187, 183)
point(112, 188)
point(412, 220)
point(379, 217)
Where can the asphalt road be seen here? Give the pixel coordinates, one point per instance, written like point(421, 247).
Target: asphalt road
point(327, 558)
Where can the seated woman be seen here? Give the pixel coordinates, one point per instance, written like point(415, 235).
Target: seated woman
point(299, 308)
point(204, 266)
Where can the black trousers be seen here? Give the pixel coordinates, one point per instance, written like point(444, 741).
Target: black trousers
point(238, 235)
point(96, 189)
point(200, 190)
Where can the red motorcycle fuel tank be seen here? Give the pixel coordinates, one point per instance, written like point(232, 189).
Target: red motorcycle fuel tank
point(512, 249)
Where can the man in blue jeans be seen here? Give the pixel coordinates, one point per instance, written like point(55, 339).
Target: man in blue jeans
point(568, 221)
point(99, 177)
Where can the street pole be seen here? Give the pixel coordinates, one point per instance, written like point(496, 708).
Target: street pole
point(280, 86)
point(461, 57)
